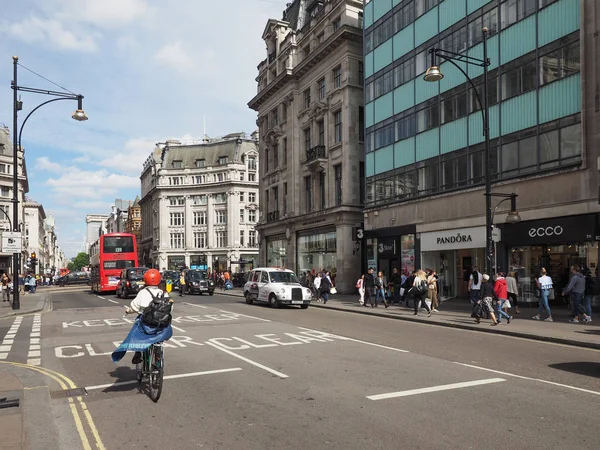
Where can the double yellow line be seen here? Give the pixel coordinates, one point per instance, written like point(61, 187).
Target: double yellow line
point(65, 384)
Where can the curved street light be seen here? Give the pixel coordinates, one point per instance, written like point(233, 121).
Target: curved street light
point(78, 115)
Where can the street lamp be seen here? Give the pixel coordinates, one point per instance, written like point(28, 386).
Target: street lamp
point(434, 74)
point(78, 115)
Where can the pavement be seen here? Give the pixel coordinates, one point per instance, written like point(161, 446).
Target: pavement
point(30, 303)
point(251, 377)
point(456, 313)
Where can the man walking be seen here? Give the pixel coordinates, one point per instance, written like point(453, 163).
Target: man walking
point(369, 285)
point(576, 288)
point(396, 280)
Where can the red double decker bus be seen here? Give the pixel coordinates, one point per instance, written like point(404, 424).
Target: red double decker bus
point(109, 255)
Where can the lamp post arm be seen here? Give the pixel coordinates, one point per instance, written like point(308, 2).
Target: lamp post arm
point(7, 218)
point(451, 61)
point(496, 208)
point(47, 92)
point(35, 109)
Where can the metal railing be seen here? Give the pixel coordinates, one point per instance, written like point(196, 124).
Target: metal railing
point(272, 216)
point(315, 153)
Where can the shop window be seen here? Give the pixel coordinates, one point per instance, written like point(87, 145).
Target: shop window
point(549, 146)
point(510, 158)
point(429, 178)
point(570, 142)
point(477, 167)
point(527, 154)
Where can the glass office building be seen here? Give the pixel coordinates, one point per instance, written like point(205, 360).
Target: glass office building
point(424, 141)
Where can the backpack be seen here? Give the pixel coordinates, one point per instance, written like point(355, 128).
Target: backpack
point(592, 285)
point(422, 288)
point(158, 313)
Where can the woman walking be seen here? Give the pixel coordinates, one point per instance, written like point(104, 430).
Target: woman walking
point(418, 292)
point(501, 291)
point(513, 291)
point(487, 296)
point(360, 285)
point(432, 293)
point(544, 283)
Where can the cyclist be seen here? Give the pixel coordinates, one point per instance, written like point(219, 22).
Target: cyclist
point(141, 335)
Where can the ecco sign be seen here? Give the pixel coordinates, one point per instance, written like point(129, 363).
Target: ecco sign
point(546, 231)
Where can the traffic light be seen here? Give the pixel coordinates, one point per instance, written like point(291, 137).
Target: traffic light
point(33, 261)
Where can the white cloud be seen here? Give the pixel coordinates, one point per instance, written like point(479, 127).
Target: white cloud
point(131, 159)
point(44, 163)
point(175, 56)
point(81, 184)
point(105, 13)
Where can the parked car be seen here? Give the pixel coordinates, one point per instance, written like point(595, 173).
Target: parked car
point(277, 287)
point(197, 281)
point(131, 281)
point(173, 276)
point(73, 278)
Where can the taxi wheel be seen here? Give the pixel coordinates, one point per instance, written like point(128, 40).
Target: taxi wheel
point(118, 294)
point(249, 298)
point(304, 306)
point(273, 303)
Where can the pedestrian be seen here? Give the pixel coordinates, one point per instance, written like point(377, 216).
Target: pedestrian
point(513, 290)
point(380, 289)
point(544, 284)
point(501, 290)
point(418, 292)
point(474, 285)
point(21, 282)
point(361, 290)
point(408, 284)
point(182, 284)
point(5, 282)
point(326, 285)
point(369, 285)
point(317, 286)
point(592, 288)
point(32, 284)
point(396, 282)
point(576, 289)
point(432, 292)
point(487, 296)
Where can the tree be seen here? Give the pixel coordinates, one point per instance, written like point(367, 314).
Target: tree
point(70, 266)
point(81, 260)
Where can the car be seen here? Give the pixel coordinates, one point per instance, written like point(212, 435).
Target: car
point(277, 287)
point(173, 276)
point(73, 278)
point(197, 281)
point(131, 281)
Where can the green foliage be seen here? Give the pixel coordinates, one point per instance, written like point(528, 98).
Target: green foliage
point(70, 266)
point(81, 260)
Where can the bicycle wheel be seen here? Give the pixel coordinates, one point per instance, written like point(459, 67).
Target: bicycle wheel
point(139, 368)
point(155, 380)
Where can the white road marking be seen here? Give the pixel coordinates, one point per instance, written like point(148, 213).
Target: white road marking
point(529, 378)
point(34, 357)
point(3, 355)
point(249, 361)
point(356, 340)
point(113, 301)
point(245, 315)
point(166, 377)
point(197, 306)
point(177, 328)
point(445, 387)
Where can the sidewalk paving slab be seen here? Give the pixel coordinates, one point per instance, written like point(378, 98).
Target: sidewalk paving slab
point(456, 313)
point(11, 419)
point(30, 303)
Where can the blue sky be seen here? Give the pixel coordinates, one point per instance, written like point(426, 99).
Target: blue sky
point(150, 70)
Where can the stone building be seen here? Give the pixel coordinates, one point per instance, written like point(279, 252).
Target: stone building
point(311, 120)
point(199, 204)
point(133, 224)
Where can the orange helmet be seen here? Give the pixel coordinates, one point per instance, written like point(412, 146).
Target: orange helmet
point(152, 277)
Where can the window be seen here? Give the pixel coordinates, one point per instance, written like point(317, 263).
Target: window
point(251, 238)
point(322, 190)
point(242, 215)
point(274, 117)
point(361, 177)
point(242, 235)
point(267, 198)
point(338, 185)
point(559, 63)
point(221, 217)
point(177, 164)
point(284, 108)
point(276, 199)
point(519, 80)
point(6, 210)
point(200, 218)
point(220, 198)
point(338, 126)
point(284, 153)
point(285, 193)
point(275, 156)
point(427, 117)
point(251, 163)
point(321, 88)
point(199, 163)
point(321, 130)
point(175, 181)
point(513, 11)
point(222, 160)
point(174, 201)
point(4, 191)
point(320, 38)
point(200, 179)
point(307, 98)
point(252, 215)
point(200, 239)
point(200, 199)
point(176, 219)
point(177, 240)
point(337, 77)
point(337, 23)
point(267, 159)
point(361, 73)
point(220, 177)
point(361, 124)
point(306, 50)
point(242, 176)
point(3, 168)
point(308, 193)
point(307, 139)
point(242, 197)
point(221, 238)
point(251, 197)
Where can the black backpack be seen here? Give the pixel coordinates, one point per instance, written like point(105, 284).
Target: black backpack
point(422, 288)
point(592, 285)
point(158, 313)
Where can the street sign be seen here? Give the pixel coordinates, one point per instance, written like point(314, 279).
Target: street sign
point(496, 234)
point(11, 242)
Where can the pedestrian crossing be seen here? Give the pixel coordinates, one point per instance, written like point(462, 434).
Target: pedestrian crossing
point(21, 342)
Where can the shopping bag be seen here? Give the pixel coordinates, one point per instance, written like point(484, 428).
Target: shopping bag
point(333, 290)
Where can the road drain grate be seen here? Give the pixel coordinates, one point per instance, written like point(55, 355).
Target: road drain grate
point(6, 402)
point(66, 393)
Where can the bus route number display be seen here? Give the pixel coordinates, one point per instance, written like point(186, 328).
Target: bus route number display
point(110, 264)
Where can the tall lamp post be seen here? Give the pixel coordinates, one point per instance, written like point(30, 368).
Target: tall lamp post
point(78, 115)
point(434, 74)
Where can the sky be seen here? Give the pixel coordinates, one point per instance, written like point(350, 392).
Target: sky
point(149, 70)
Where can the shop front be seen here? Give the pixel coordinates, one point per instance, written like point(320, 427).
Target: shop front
point(453, 254)
point(198, 262)
point(277, 252)
point(317, 251)
point(555, 244)
point(176, 262)
point(392, 248)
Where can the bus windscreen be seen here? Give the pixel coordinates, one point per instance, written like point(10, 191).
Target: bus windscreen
point(120, 264)
point(118, 244)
